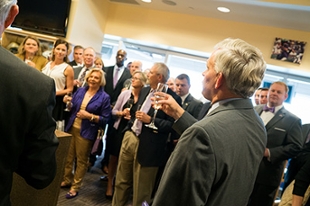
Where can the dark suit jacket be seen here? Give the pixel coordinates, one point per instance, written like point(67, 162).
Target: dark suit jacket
point(77, 71)
point(192, 105)
point(216, 159)
point(72, 63)
point(284, 141)
point(114, 92)
point(28, 143)
point(152, 145)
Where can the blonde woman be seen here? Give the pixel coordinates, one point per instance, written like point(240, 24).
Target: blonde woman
point(30, 52)
point(127, 99)
point(90, 111)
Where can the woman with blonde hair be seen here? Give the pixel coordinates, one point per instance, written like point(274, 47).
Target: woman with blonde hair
point(90, 111)
point(122, 114)
point(30, 52)
point(99, 63)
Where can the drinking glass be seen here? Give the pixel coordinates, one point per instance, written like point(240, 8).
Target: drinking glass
point(129, 105)
point(161, 87)
point(69, 103)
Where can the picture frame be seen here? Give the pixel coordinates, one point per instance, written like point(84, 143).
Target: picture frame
point(288, 50)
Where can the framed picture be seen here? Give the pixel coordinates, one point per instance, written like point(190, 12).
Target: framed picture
point(288, 50)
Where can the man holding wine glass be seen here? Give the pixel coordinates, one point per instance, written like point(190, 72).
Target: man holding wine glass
point(217, 158)
point(143, 148)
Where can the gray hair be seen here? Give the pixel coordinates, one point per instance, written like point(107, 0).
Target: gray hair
point(163, 70)
point(241, 64)
point(5, 6)
point(102, 80)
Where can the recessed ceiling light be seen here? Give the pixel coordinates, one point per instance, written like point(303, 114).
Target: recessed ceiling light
point(169, 2)
point(147, 1)
point(223, 9)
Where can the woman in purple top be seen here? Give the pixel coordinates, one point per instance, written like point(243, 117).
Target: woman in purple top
point(90, 111)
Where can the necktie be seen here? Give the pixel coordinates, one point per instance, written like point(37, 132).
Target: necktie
point(115, 79)
point(268, 109)
point(137, 125)
point(81, 79)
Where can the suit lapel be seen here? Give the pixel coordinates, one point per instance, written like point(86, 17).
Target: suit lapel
point(187, 101)
point(277, 117)
point(143, 95)
point(123, 77)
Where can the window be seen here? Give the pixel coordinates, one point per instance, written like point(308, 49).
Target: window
point(193, 63)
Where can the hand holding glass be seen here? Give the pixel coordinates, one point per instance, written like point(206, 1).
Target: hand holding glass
point(69, 103)
point(161, 87)
point(129, 105)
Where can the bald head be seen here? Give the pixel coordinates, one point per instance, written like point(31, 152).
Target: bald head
point(135, 66)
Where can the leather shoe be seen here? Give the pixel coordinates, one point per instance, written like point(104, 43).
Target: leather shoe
point(104, 178)
point(108, 197)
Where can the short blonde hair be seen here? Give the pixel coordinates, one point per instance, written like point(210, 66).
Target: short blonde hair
point(142, 78)
point(102, 81)
point(98, 59)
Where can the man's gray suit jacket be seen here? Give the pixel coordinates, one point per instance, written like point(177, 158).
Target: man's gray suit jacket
point(284, 141)
point(216, 159)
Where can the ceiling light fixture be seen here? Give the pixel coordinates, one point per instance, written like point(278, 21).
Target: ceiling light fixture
point(223, 9)
point(147, 1)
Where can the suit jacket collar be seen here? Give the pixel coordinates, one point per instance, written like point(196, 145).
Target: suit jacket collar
point(232, 105)
point(143, 94)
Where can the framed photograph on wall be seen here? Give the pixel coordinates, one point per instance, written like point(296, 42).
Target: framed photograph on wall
point(288, 50)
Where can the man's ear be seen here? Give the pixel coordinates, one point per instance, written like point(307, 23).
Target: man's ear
point(12, 14)
point(286, 96)
point(219, 81)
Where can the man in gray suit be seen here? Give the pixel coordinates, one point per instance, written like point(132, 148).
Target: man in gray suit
point(284, 141)
point(189, 103)
point(28, 143)
point(216, 159)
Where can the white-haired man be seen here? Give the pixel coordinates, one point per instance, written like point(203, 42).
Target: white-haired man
point(28, 143)
point(216, 159)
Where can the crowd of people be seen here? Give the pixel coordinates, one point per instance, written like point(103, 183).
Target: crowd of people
point(223, 152)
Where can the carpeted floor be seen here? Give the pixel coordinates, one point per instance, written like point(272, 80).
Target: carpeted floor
point(92, 191)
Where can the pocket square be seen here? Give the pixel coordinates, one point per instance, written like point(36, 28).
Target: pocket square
point(279, 129)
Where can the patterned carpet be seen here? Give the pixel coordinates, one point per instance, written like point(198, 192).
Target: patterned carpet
point(92, 192)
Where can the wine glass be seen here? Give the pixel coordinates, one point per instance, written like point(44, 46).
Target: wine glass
point(161, 87)
point(129, 105)
point(69, 103)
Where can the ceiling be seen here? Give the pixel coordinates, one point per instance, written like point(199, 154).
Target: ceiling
point(288, 14)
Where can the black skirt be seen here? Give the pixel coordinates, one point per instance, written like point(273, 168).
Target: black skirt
point(58, 111)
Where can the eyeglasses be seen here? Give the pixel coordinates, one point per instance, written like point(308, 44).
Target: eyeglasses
point(135, 78)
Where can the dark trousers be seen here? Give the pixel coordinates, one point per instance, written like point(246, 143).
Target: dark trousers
point(262, 195)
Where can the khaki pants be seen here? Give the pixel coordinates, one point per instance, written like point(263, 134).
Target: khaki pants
point(79, 149)
point(286, 199)
point(130, 172)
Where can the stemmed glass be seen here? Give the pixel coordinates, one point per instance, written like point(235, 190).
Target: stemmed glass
point(161, 87)
point(69, 103)
point(129, 105)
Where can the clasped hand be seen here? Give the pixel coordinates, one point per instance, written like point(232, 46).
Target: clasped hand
point(83, 114)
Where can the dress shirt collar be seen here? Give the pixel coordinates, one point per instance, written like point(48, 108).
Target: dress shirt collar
point(184, 97)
